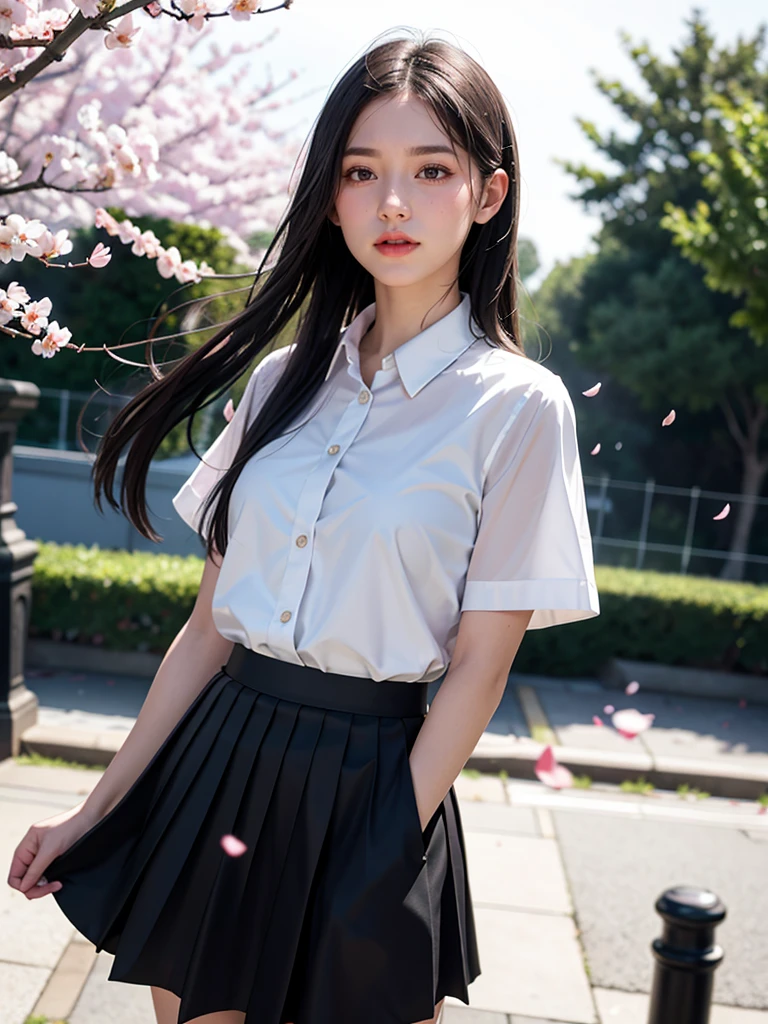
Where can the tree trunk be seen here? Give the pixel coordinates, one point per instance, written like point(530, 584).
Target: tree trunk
point(753, 473)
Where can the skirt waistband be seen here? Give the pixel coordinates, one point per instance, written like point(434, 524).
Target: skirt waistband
point(306, 685)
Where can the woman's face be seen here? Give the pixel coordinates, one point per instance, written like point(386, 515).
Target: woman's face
point(424, 194)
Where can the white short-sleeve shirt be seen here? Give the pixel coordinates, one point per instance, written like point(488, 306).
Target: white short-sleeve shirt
point(452, 484)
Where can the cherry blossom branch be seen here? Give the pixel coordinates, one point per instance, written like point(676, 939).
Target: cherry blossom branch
point(58, 46)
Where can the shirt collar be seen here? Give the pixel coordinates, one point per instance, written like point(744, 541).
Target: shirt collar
point(420, 359)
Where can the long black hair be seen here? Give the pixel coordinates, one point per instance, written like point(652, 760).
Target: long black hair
point(316, 279)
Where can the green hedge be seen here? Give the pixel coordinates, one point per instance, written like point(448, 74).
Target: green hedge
point(138, 602)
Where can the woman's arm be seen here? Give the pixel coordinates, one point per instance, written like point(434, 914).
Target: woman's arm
point(469, 694)
point(196, 653)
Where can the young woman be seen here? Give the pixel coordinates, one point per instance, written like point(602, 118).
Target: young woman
point(398, 494)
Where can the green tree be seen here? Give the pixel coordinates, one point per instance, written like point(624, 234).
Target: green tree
point(644, 317)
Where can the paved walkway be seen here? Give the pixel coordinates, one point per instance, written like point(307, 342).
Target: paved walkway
point(563, 883)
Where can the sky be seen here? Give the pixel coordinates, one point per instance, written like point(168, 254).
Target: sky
point(539, 55)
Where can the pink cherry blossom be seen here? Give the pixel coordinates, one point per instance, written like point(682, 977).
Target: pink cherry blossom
point(123, 33)
point(10, 300)
point(669, 418)
point(552, 774)
point(241, 10)
point(88, 8)
point(168, 260)
point(35, 315)
point(233, 846)
point(187, 271)
point(597, 720)
point(609, 709)
point(100, 256)
point(631, 723)
point(56, 338)
point(19, 238)
point(53, 245)
point(632, 687)
point(12, 13)
point(105, 220)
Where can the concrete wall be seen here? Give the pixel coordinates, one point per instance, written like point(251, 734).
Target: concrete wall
point(54, 493)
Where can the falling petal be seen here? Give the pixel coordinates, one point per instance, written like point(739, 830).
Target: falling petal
point(597, 720)
point(632, 687)
point(742, 703)
point(592, 391)
point(233, 846)
point(726, 725)
point(724, 513)
point(552, 774)
point(229, 411)
point(630, 722)
point(110, 682)
point(669, 418)
point(609, 709)
point(596, 449)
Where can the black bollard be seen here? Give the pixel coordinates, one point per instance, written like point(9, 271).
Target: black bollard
point(686, 956)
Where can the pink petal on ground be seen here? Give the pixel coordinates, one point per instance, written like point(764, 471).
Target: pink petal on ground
point(632, 687)
point(724, 513)
point(596, 449)
point(609, 709)
point(631, 722)
point(597, 720)
point(552, 774)
point(233, 846)
point(591, 392)
point(669, 418)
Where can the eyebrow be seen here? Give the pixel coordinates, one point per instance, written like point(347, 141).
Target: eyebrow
point(413, 151)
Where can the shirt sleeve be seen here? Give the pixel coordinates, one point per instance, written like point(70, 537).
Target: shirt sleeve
point(220, 455)
point(533, 548)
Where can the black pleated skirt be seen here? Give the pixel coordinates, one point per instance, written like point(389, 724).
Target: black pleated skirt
point(340, 910)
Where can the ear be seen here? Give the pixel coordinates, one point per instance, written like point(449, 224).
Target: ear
point(494, 195)
point(333, 217)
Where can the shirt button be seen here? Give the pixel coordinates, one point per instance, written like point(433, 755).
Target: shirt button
point(285, 616)
point(333, 449)
point(363, 397)
point(302, 540)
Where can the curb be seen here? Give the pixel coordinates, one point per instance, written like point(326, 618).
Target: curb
point(62, 990)
point(516, 756)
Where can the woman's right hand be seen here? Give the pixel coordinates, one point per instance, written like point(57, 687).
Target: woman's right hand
point(43, 842)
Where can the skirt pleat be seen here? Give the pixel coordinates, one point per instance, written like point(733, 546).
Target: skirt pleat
point(340, 909)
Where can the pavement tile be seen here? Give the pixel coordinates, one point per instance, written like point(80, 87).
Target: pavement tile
point(490, 816)
point(33, 933)
point(616, 1007)
point(520, 872)
point(20, 985)
point(531, 965)
point(115, 1002)
point(482, 787)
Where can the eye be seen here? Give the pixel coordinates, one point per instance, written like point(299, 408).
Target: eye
point(436, 167)
point(366, 170)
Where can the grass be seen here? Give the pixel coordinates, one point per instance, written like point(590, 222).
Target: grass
point(637, 786)
point(685, 790)
point(55, 762)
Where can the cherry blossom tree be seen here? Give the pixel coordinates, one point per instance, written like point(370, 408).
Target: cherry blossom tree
point(134, 117)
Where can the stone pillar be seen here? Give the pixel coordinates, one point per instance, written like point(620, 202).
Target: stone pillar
point(18, 705)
